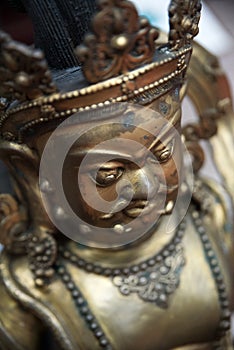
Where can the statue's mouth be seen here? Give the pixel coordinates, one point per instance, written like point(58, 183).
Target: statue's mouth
point(140, 207)
point(163, 189)
point(144, 207)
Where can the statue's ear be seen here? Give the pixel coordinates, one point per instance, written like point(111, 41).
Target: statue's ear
point(23, 164)
point(13, 224)
point(24, 210)
point(14, 213)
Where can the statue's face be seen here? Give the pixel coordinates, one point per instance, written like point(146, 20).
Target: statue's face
point(147, 165)
point(123, 171)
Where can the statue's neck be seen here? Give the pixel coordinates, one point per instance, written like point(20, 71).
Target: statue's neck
point(144, 249)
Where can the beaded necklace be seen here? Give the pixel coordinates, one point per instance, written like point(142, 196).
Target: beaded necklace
point(153, 280)
point(163, 271)
point(225, 314)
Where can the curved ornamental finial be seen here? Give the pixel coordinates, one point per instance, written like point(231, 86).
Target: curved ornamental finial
point(184, 16)
point(120, 41)
point(24, 73)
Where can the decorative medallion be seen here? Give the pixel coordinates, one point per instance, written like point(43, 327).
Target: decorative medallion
point(156, 284)
point(120, 41)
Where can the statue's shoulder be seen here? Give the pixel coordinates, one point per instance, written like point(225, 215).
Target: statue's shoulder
point(215, 201)
point(217, 207)
point(34, 308)
point(19, 328)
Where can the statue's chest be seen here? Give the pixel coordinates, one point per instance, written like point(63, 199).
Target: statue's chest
point(94, 312)
point(130, 321)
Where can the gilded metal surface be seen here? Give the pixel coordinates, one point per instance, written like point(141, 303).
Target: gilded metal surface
point(77, 293)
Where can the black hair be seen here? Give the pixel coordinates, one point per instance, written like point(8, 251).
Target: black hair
point(59, 26)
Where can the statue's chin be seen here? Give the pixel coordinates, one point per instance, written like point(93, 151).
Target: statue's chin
point(119, 234)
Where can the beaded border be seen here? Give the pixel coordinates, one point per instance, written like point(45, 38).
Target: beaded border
point(132, 96)
point(142, 266)
point(104, 85)
point(83, 307)
point(225, 323)
point(142, 96)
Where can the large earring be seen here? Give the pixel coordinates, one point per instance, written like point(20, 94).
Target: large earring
point(13, 225)
point(42, 254)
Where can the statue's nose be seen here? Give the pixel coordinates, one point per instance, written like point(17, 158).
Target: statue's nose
point(144, 183)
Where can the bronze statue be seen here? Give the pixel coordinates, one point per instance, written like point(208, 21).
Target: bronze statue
point(117, 278)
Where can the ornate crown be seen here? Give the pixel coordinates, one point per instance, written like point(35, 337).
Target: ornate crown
point(121, 62)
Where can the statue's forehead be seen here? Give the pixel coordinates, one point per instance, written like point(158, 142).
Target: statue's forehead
point(121, 144)
point(128, 125)
point(143, 125)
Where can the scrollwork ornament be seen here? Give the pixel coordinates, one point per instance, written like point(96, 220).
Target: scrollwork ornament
point(120, 41)
point(24, 74)
point(197, 153)
point(13, 225)
point(184, 18)
point(157, 284)
point(193, 133)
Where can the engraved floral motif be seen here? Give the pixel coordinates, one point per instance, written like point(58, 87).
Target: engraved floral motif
point(120, 41)
point(155, 284)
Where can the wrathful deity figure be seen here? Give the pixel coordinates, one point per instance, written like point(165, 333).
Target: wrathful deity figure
point(113, 237)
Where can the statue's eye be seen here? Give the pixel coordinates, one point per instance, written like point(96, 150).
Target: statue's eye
point(166, 153)
point(106, 177)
